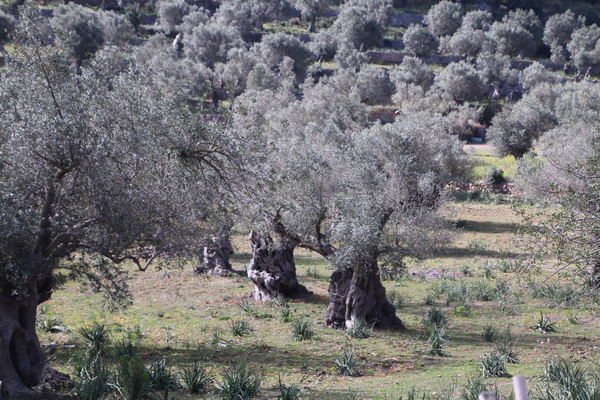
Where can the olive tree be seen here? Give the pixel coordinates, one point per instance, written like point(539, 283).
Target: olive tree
point(91, 174)
point(7, 25)
point(171, 14)
point(444, 18)
point(209, 43)
point(584, 48)
point(79, 30)
point(536, 74)
point(558, 31)
point(420, 41)
point(460, 82)
point(275, 46)
point(512, 39)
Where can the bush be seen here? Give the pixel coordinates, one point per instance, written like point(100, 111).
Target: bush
point(238, 383)
point(346, 365)
point(302, 330)
point(133, 377)
point(495, 176)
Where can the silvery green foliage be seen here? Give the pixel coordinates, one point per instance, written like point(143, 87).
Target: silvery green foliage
point(248, 15)
point(171, 13)
point(477, 20)
point(460, 82)
point(374, 86)
point(536, 74)
point(543, 109)
point(378, 9)
point(420, 41)
point(357, 27)
point(309, 10)
point(94, 171)
point(512, 39)
point(412, 70)
point(528, 20)
point(181, 77)
point(7, 26)
point(466, 42)
point(324, 44)
point(558, 31)
point(233, 74)
point(78, 29)
point(444, 18)
point(348, 57)
point(496, 69)
point(274, 47)
point(514, 130)
point(116, 28)
point(192, 20)
point(209, 43)
point(262, 78)
point(584, 48)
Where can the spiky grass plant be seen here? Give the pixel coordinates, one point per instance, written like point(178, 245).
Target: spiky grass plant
point(285, 313)
point(133, 377)
point(437, 341)
point(493, 365)
point(570, 380)
point(96, 382)
point(246, 306)
point(302, 330)
point(347, 363)
point(544, 324)
point(489, 333)
point(194, 378)
point(97, 335)
point(238, 383)
point(434, 317)
point(239, 328)
point(288, 392)
point(361, 329)
point(161, 376)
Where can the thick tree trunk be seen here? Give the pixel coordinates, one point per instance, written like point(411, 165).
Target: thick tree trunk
point(216, 254)
point(272, 269)
point(357, 293)
point(21, 358)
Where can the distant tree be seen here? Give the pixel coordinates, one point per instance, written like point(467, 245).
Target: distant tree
point(356, 26)
point(512, 39)
point(584, 47)
point(171, 13)
point(193, 20)
point(275, 46)
point(348, 57)
point(248, 15)
point(420, 41)
point(324, 44)
point(558, 31)
point(134, 14)
point(117, 29)
point(495, 70)
point(414, 71)
point(261, 77)
point(536, 74)
point(444, 18)
point(528, 20)
point(478, 20)
point(381, 10)
point(209, 43)
point(460, 82)
point(374, 86)
point(79, 30)
point(310, 9)
point(234, 72)
point(466, 42)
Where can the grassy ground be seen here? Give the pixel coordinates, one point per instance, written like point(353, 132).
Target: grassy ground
point(186, 318)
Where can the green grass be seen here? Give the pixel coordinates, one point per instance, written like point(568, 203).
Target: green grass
point(178, 314)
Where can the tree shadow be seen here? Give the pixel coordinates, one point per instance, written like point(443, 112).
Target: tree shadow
point(470, 252)
point(489, 227)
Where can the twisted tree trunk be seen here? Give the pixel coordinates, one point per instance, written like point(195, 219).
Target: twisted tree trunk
point(357, 294)
point(216, 254)
point(272, 269)
point(21, 358)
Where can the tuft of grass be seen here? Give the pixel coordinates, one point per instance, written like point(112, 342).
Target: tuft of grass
point(302, 330)
point(436, 343)
point(544, 324)
point(238, 383)
point(195, 379)
point(133, 377)
point(347, 364)
point(570, 380)
point(313, 273)
point(481, 291)
point(161, 376)
point(246, 306)
point(489, 333)
point(434, 317)
point(96, 336)
point(288, 392)
point(239, 328)
point(360, 330)
point(285, 314)
point(493, 365)
point(279, 301)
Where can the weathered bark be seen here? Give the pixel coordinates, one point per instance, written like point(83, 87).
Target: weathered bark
point(272, 269)
point(356, 294)
point(21, 358)
point(216, 254)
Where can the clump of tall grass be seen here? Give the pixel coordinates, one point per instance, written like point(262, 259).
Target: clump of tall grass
point(361, 329)
point(194, 378)
point(570, 380)
point(347, 364)
point(302, 330)
point(238, 382)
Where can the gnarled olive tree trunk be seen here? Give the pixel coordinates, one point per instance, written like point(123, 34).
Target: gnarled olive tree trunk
point(357, 294)
point(21, 358)
point(272, 269)
point(216, 254)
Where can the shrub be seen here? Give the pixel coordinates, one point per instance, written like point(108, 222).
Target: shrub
point(239, 328)
point(238, 383)
point(495, 176)
point(194, 378)
point(346, 365)
point(302, 330)
point(568, 380)
point(493, 365)
point(133, 377)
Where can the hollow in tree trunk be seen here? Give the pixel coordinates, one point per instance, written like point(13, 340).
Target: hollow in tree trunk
point(357, 293)
point(216, 254)
point(272, 269)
